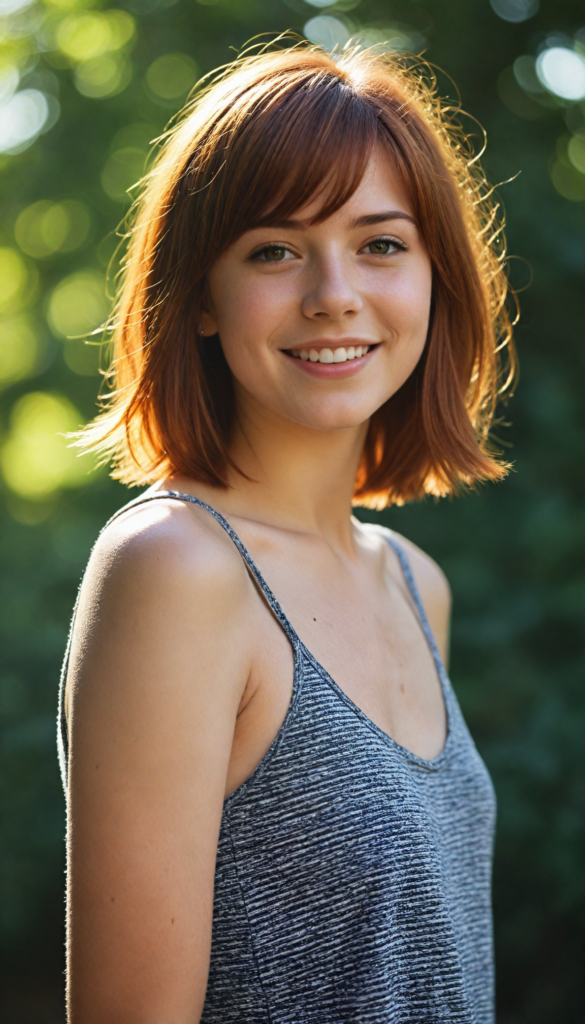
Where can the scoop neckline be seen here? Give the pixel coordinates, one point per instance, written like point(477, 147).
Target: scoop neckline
point(301, 686)
point(430, 764)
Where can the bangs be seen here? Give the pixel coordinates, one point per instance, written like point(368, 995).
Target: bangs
point(311, 141)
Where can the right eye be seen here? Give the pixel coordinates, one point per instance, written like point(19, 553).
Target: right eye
point(272, 254)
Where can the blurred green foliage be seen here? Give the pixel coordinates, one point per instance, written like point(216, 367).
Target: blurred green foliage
point(84, 88)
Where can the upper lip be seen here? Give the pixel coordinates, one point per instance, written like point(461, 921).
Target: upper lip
point(333, 343)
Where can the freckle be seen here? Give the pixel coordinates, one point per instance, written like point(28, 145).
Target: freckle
point(172, 920)
point(112, 899)
point(97, 766)
point(402, 687)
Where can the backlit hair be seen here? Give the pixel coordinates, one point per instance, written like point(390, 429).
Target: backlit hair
point(259, 141)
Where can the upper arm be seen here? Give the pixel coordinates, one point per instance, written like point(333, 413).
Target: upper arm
point(435, 592)
point(153, 691)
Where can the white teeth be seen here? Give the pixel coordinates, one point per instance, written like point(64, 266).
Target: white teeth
point(328, 355)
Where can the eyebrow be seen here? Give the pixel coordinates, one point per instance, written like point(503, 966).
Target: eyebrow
point(379, 218)
point(367, 220)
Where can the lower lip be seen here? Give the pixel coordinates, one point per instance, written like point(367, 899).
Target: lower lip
point(328, 370)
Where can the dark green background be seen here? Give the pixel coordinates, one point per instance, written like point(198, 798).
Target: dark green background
point(514, 553)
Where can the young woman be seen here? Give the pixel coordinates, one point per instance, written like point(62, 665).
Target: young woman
point(276, 813)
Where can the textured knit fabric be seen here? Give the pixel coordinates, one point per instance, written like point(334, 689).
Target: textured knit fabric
point(352, 882)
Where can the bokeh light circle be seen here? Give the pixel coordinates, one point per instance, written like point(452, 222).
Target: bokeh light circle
point(78, 305)
point(36, 459)
point(562, 72)
point(515, 10)
point(325, 31)
point(171, 76)
point(22, 118)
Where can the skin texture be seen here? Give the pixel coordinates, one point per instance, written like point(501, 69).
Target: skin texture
point(180, 677)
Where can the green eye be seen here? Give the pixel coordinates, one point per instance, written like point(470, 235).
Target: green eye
point(381, 247)
point(273, 254)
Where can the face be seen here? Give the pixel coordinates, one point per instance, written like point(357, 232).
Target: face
point(321, 324)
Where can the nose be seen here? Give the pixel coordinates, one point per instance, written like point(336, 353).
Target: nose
point(331, 290)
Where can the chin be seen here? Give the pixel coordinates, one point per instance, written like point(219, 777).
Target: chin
point(334, 416)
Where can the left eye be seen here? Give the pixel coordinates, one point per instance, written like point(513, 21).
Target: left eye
point(381, 247)
point(273, 254)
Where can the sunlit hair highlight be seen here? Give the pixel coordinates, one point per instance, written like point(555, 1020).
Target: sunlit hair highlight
point(259, 141)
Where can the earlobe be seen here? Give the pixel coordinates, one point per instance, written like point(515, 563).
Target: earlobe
point(206, 326)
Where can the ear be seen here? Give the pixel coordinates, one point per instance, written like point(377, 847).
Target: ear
point(207, 325)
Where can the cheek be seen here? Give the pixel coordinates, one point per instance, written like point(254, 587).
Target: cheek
point(249, 313)
point(404, 309)
point(407, 306)
point(249, 310)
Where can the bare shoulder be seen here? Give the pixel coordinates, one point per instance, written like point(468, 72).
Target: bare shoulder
point(431, 580)
point(163, 577)
point(168, 543)
point(434, 590)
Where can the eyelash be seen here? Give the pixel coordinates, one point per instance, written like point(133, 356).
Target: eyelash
point(280, 245)
point(266, 248)
point(391, 240)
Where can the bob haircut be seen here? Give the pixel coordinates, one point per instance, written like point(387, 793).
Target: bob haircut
point(260, 139)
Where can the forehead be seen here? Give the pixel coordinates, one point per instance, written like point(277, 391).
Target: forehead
point(379, 195)
point(381, 189)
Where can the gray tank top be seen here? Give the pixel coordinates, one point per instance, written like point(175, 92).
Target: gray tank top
point(353, 878)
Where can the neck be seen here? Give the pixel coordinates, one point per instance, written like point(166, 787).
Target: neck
point(299, 478)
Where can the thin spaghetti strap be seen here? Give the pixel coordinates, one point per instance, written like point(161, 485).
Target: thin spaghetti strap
point(248, 560)
point(412, 586)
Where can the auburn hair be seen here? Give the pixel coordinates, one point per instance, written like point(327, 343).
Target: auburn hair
point(259, 140)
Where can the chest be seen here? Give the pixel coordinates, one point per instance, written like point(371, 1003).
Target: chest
point(359, 622)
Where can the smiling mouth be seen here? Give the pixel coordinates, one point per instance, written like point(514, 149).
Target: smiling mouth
point(328, 354)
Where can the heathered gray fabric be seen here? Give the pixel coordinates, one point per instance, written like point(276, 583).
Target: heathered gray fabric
point(353, 878)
